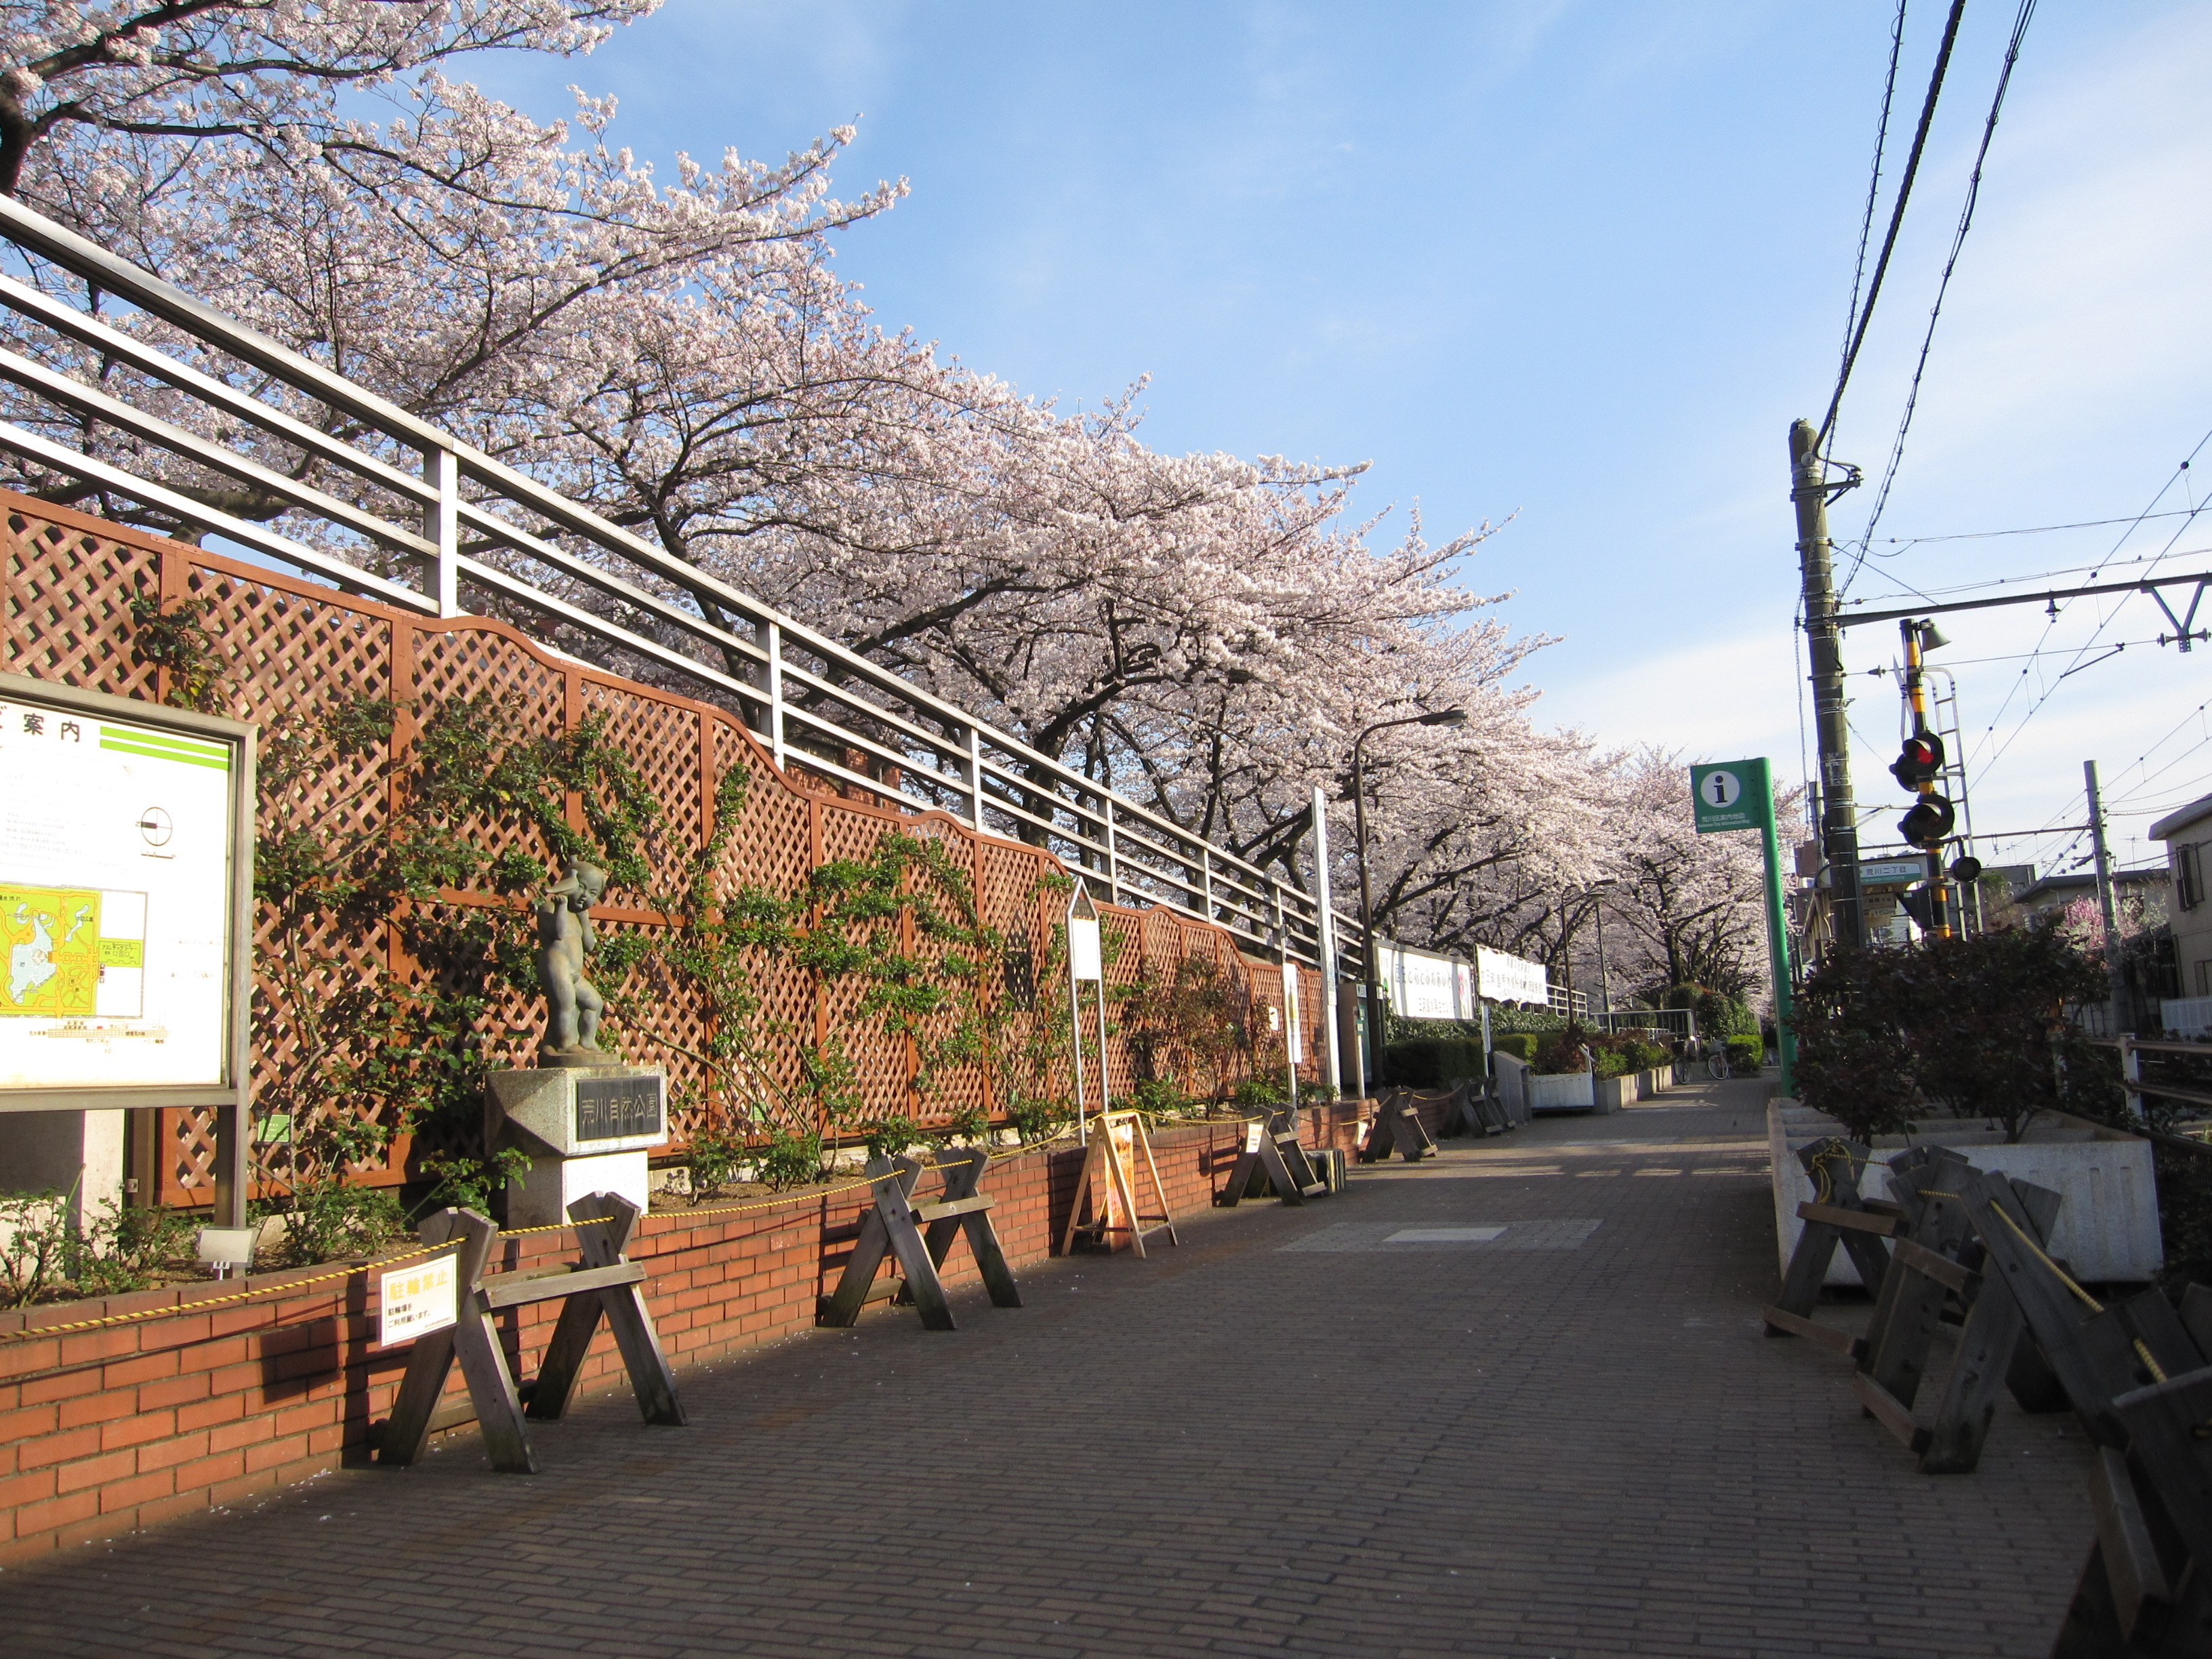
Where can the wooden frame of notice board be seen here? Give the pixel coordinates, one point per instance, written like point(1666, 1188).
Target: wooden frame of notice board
point(226, 1081)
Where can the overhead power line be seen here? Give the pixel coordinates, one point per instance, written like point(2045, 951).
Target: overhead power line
point(1874, 197)
point(1903, 543)
point(1950, 264)
point(1896, 216)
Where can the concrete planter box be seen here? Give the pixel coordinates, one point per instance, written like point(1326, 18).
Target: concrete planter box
point(2107, 1221)
point(1610, 1094)
point(1564, 1092)
point(1512, 1084)
point(1649, 1083)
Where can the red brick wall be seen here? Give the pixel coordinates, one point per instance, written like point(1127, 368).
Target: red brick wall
point(107, 1430)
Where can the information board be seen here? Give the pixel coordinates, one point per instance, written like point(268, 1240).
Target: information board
point(122, 874)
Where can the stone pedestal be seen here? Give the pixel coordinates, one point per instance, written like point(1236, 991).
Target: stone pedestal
point(586, 1130)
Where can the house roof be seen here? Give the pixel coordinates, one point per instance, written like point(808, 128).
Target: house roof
point(2055, 888)
point(2199, 808)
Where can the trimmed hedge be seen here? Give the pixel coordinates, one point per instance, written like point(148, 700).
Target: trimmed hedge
point(1521, 1045)
point(1431, 1062)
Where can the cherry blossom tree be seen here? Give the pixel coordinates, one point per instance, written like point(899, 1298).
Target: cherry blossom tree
point(1205, 632)
point(1689, 909)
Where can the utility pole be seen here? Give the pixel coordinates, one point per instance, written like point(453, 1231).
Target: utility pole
point(1839, 836)
point(2116, 972)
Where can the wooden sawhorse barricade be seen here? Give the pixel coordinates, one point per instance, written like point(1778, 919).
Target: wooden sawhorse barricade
point(1841, 1216)
point(1396, 1126)
point(2138, 1376)
point(894, 1225)
point(1930, 1269)
point(1117, 1141)
point(607, 1284)
point(1939, 1263)
point(1272, 1151)
point(1480, 1111)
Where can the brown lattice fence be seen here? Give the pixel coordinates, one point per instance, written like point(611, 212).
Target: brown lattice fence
point(290, 647)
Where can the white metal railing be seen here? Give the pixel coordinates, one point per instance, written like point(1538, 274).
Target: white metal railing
point(463, 519)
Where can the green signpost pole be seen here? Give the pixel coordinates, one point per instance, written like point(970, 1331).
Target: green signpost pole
point(1740, 795)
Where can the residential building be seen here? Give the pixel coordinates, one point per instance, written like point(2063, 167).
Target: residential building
point(2188, 837)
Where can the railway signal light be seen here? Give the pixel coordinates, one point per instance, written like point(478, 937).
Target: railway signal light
point(1966, 867)
point(1920, 905)
point(1929, 822)
point(1918, 761)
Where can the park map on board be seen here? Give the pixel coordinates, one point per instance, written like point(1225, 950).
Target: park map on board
point(53, 954)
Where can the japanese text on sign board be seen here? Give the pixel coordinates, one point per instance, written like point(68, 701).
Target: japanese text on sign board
point(615, 1108)
point(417, 1299)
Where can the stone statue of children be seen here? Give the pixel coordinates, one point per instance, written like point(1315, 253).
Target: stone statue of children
point(573, 1004)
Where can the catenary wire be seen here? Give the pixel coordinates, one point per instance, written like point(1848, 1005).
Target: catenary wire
point(1896, 219)
point(1874, 195)
point(2020, 22)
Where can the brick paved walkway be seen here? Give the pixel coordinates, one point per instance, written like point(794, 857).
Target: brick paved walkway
point(1291, 1437)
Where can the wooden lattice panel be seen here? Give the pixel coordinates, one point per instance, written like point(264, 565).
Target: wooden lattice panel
point(69, 593)
point(454, 663)
point(769, 849)
point(662, 738)
point(952, 1085)
point(881, 1063)
point(294, 650)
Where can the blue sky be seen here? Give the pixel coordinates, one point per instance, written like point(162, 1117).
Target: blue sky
point(1575, 265)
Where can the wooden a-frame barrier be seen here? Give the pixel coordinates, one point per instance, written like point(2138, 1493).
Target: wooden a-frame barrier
point(1117, 1140)
point(1274, 1151)
point(893, 1226)
point(1396, 1126)
point(605, 1284)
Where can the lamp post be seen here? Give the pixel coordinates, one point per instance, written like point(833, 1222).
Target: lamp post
point(1604, 979)
point(1374, 992)
point(1567, 943)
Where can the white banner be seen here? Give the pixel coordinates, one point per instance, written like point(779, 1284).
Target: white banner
point(1423, 985)
point(1501, 978)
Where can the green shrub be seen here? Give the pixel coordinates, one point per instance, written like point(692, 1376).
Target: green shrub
point(1158, 1097)
point(713, 1157)
point(1719, 1015)
point(1609, 1062)
point(127, 1249)
point(970, 1122)
point(327, 1221)
point(1255, 1092)
point(1652, 1056)
point(34, 1245)
point(1521, 1045)
point(888, 1137)
point(1036, 1119)
point(790, 1160)
point(465, 1183)
point(1746, 1052)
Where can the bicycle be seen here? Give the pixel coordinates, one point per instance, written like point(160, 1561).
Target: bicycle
point(1716, 1065)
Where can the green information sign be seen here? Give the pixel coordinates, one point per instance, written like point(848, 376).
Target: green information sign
point(1732, 795)
point(1740, 795)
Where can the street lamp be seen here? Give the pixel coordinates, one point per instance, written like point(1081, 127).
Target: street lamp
point(1437, 717)
point(1604, 979)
